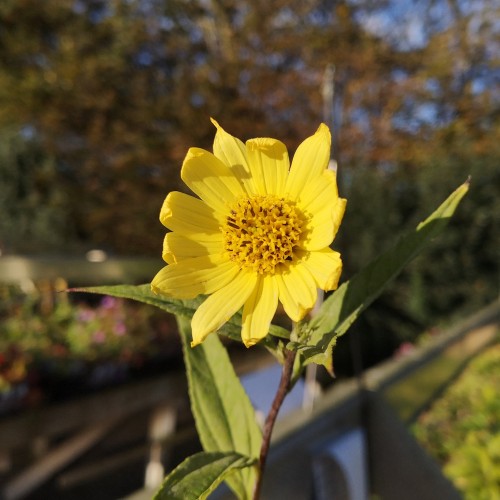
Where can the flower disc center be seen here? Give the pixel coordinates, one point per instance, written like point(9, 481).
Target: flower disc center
point(262, 232)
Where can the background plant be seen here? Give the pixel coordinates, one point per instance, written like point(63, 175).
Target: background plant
point(44, 344)
point(461, 429)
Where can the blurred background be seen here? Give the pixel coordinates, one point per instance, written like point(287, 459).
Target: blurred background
point(100, 100)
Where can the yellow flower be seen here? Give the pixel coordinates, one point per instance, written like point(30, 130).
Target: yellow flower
point(259, 232)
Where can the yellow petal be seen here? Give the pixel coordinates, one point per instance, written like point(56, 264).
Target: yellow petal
point(177, 247)
point(259, 310)
point(309, 161)
point(232, 152)
point(338, 214)
point(326, 267)
point(191, 277)
point(212, 180)
point(269, 165)
point(322, 228)
point(307, 292)
point(292, 308)
point(297, 291)
point(186, 214)
point(319, 231)
point(221, 305)
point(319, 193)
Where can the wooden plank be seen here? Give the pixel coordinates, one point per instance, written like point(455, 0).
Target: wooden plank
point(421, 375)
point(112, 403)
point(16, 269)
point(109, 464)
point(54, 460)
point(19, 430)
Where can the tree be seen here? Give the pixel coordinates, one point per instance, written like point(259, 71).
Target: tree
point(32, 212)
point(115, 92)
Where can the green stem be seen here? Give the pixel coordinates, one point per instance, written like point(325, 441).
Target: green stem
point(283, 389)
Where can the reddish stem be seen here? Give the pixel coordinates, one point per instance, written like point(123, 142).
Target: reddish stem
point(283, 390)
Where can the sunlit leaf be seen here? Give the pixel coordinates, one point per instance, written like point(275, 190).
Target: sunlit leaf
point(143, 293)
point(224, 416)
point(344, 306)
point(200, 474)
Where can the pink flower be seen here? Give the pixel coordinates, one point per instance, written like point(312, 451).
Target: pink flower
point(99, 337)
point(108, 302)
point(404, 349)
point(120, 329)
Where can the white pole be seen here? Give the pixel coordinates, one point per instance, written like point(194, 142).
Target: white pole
point(311, 386)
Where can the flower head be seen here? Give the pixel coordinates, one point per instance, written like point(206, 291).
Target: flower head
point(258, 234)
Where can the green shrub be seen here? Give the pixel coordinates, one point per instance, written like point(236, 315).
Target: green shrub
point(45, 336)
point(462, 429)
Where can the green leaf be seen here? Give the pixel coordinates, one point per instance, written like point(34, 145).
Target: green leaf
point(143, 293)
point(344, 306)
point(200, 474)
point(224, 416)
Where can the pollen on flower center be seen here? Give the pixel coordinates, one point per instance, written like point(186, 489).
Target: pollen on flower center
point(262, 232)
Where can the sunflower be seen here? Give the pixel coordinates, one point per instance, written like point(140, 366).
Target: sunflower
point(258, 234)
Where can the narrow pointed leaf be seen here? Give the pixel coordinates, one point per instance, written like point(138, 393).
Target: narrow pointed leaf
point(200, 474)
point(224, 417)
point(344, 306)
point(143, 293)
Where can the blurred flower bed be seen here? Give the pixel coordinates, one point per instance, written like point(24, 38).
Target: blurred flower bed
point(462, 429)
point(54, 346)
